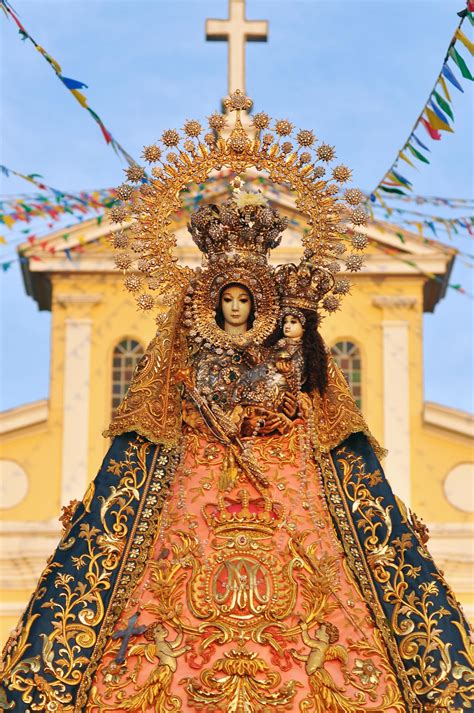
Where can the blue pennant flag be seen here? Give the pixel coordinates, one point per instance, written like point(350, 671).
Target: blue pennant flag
point(438, 112)
point(446, 71)
point(73, 83)
point(401, 178)
point(420, 143)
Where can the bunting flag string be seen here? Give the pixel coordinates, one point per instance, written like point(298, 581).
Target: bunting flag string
point(98, 200)
point(431, 222)
point(72, 85)
point(432, 200)
point(435, 117)
point(454, 286)
point(25, 208)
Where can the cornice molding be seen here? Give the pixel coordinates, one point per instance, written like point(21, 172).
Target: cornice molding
point(24, 416)
point(394, 301)
point(75, 299)
point(447, 418)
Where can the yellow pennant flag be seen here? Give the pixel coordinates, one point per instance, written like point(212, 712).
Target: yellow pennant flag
point(465, 40)
point(447, 225)
point(2, 240)
point(57, 67)
point(445, 88)
point(396, 180)
point(405, 158)
point(8, 220)
point(436, 122)
point(380, 199)
point(420, 228)
point(80, 97)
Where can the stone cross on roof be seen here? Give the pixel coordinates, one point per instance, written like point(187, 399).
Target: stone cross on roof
point(237, 30)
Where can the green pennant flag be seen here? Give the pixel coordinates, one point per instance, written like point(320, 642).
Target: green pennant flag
point(454, 54)
point(418, 154)
point(400, 235)
point(392, 190)
point(445, 106)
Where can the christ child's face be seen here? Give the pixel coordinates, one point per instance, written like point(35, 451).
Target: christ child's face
point(292, 327)
point(236, 306)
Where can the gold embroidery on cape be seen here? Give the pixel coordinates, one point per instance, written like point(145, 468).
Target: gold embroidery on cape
point(139, 539)
point(416, 618)
point(77, 608)
point(337, 415)
point(152, 405)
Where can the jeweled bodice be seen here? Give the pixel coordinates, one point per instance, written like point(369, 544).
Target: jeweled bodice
point(217, 371)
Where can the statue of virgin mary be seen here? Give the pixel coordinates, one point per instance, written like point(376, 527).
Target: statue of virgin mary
point(240, 548)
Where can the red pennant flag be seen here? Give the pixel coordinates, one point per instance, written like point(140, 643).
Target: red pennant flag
point(434, 133)
point(107, 135)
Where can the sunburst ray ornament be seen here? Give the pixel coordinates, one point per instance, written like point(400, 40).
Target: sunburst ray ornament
point(287, 155)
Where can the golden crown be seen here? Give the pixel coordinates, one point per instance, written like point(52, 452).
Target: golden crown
point(262, 516)
point(287, 156)
point(303, 286)
point(244, 223)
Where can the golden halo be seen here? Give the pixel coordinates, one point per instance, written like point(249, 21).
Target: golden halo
point(203, 295)
point(147, 256)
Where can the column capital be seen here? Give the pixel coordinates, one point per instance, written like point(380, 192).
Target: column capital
point(395, 301)
point(76, 304)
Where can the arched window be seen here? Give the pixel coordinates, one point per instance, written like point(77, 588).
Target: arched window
point(126, 355)
point(347, 357)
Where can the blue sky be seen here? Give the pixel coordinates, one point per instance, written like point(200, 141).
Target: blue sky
point(358, 72)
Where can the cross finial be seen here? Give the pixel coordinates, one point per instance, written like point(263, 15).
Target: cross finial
point(237, 30)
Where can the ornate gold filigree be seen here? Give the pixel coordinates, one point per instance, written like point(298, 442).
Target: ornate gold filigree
point(336, 413)
point(238, 682)
point(138, 541)
point(416, 614)
point(152, 405)
point(193, 162)
point(325, 695)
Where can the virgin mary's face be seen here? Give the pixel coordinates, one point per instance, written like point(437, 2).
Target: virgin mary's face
point(236, 305)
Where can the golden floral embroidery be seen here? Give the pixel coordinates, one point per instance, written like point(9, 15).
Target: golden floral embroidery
point(417, 619)
point(238, 682)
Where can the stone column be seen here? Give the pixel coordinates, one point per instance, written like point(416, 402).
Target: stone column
point(396, 393)
point(77, 366)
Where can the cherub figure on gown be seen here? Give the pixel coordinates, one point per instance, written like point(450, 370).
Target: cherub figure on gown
point(240, 549)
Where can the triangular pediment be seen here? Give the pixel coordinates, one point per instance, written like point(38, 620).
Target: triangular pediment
point(86, 246)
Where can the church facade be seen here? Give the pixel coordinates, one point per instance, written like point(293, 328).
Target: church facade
point(52, 448)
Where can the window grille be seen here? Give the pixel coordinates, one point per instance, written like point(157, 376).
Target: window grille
point(125, 357)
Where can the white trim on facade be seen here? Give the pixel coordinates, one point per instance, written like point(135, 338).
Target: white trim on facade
point(396, 406)
point(449, 419)
point(23, 416)
point(78, 334)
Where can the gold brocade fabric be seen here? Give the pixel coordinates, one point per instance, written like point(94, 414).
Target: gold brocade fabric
point(246, 603)
point(337, 415)
point(152, 405)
